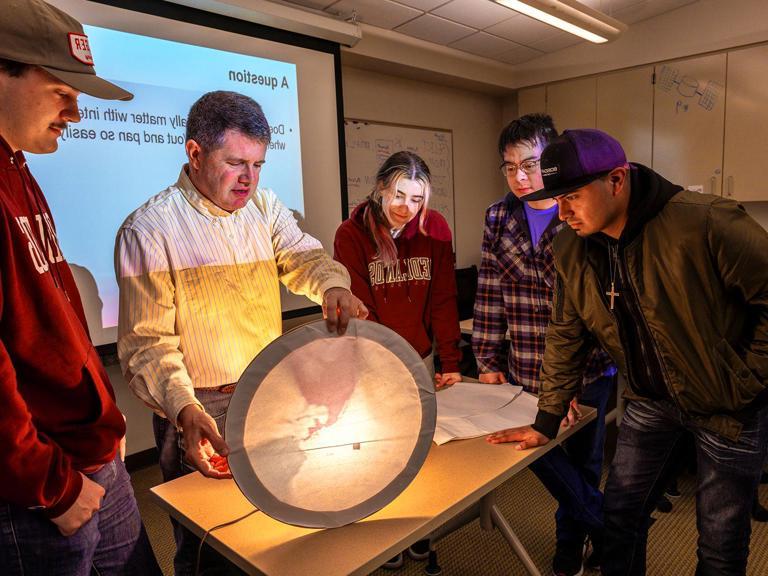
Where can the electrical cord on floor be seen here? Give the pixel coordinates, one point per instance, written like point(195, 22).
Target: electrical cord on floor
point(202, 540)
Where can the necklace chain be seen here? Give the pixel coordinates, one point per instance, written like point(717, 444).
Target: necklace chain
point(613, 263)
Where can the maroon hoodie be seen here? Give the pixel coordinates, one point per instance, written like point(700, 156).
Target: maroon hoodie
point(418, 298)
point(58, 411)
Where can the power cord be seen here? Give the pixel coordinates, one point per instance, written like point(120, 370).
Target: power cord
point(202, 540)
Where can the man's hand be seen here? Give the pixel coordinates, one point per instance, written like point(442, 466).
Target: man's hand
point(82, 510)
point(573, 416)
point(446, 379)
point(525, 436)
point(339, 305)
point(493, 378)
point(202, 441)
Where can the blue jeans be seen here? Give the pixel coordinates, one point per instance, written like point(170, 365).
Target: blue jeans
point(728, 474)
point(113, 542)
point(571, 472)
point(172, 465)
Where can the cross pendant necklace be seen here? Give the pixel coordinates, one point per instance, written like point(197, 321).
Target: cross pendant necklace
point(613, 261)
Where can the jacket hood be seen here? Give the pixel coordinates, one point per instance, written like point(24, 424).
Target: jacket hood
point(650, 192)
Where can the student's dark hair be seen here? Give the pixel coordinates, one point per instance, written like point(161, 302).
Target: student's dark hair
point(216, 112)
point(13, 68)
point(531, 129)
point(399, 165)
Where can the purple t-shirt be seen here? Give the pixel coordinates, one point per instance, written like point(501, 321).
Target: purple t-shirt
point(538, 220)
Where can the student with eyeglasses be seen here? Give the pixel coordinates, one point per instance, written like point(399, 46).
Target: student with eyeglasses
point(515, 295)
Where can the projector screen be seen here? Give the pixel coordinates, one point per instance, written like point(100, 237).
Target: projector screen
point(123, 153)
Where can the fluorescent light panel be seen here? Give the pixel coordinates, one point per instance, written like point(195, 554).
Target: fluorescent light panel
point(570, 16)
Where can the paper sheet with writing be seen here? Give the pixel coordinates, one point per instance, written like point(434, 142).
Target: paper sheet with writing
point(469, 410)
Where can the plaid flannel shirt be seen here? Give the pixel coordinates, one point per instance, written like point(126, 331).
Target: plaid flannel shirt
point(514, 293)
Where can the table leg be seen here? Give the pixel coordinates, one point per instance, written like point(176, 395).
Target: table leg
point(491, 517)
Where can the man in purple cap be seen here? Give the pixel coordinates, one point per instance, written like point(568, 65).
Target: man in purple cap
point(674, 285)
point(66, 502)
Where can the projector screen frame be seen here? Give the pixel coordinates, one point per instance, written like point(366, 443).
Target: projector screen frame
point(194, 16)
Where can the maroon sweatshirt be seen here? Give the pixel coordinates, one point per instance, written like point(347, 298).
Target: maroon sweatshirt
point(58, 413)
point(417, 299)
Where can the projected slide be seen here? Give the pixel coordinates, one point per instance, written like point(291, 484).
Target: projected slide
point(122, 153)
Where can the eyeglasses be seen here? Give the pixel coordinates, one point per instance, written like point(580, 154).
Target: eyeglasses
point(509, 169)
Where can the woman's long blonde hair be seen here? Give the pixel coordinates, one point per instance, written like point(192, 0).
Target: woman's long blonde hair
point(399, 165)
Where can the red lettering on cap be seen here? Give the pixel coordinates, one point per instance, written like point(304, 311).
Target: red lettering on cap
point(80, 48)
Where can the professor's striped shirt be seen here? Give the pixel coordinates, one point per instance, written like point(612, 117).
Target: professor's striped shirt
point(199, 289)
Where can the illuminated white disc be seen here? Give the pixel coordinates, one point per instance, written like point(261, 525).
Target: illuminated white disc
point(324, 429)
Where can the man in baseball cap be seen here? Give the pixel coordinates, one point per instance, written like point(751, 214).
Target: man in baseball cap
point(674, 285)
point(66, 502)
point(39, 34)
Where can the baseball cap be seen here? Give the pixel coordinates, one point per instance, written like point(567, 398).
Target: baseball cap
point(574, 159)
point(34, 32)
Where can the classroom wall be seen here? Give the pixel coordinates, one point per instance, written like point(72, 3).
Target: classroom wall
point(475, 120)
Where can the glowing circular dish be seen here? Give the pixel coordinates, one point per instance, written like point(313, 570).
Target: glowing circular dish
point(324, 429)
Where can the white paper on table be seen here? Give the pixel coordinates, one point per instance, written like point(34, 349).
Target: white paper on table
point(519, 412)
point(468, 398)
point(447, 429)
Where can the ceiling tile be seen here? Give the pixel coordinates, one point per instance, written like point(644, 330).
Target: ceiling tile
point(484, 44)
point(522, 29)
point(555, 42)
point(622, 4)
point(476, 13)
point(435, 29)
point(643, 11)
point(316, 4)
point(610, 6)
point(518, 55)
point(423, 4)
point(381, 13)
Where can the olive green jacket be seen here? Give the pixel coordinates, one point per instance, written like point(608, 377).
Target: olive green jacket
point(699, 270)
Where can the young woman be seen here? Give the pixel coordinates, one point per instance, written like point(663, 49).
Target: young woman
point(400, 257)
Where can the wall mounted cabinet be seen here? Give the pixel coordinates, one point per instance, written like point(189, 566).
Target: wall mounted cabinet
point(699, 122)
point(688, 123)
point(746, 125)
point(572, 104)
point(530, 100)
point(625, 111)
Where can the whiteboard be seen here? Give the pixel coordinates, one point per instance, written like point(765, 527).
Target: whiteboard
point(370, 143)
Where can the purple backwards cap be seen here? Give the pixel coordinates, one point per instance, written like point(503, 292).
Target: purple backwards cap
point(574, 159)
